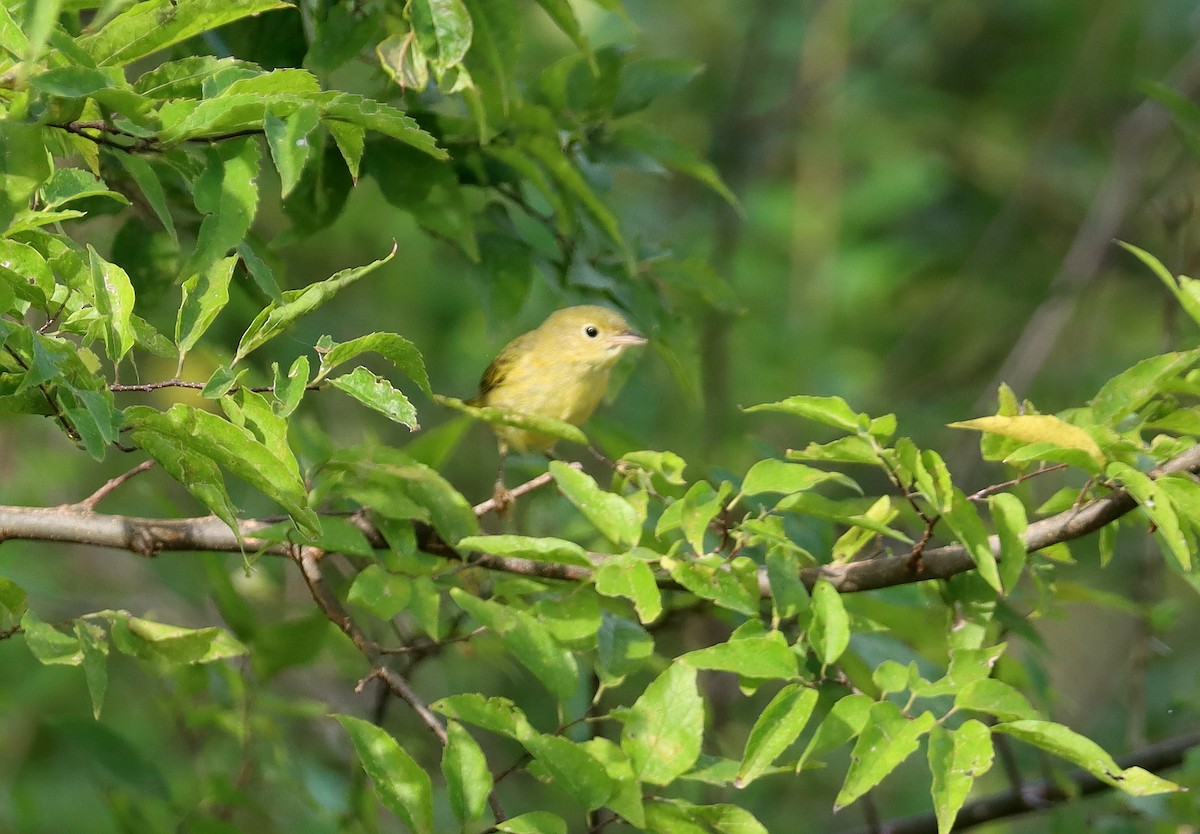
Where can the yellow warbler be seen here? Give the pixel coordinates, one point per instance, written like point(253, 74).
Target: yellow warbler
point(559, 370)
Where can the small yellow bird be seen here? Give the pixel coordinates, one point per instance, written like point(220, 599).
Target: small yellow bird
point(559, 370)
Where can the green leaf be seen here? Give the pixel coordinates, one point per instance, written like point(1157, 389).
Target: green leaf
point(49, 645)
point(183, 436)
point(1008, 516)
point(395, 348)
point(1186, 290)
point(226, 193)
point(789, 596)
point(631, 577)
point(530, 642)
point(1085, 753)
point(777, 726)
point(887, 739)
point(377, 393)
point(768, 656)
point(845, 720)
point(1130, 390)
point(830, 624)
point(383, 594)
point(664, 727)
point(568, 178)
point(197, 472)
point(468, 780)
point(571, 767)
point(831, 411)
point(296, 303)
point(994, 697)
point(152, 25)
point(535, 822)
point(66, 185)
point(148, 183)
point(563, 15)
point(732, 585)
point(968, 528)
point(547, 549)
point(289, 389)
point(12, 604)
point(622, 647)
point(537, 423)
point(400, 783)
point(24, 165)
point(289, 139)
point(112, 293)
point(27, 272)
point(677, 156)
point(173, 644)
point(443, 29)
point(94, 644)
point(496, 715)
point(1157, 504)
point(350, 140)
point(643, 81)
point(609, 513)
point(843, 512)
point(956, 759)
point(770, 475)
point(1036, 428)
point(204, 296)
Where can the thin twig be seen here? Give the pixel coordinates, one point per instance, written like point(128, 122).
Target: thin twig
point(1025, 476)
point(88, 504)
point(529, 486)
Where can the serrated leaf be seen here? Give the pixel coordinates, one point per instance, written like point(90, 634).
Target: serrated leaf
point(1036, 428)
point(956, 759)
point(995, 697)
point(226, 193)
point(290, 143)
point(831, 411)
point(530, 642)
point(1131, 389)
point(112, 293)
point(571, 767)
point(204, 296)
point(630, 577)
point(1085, 753)
point(777, 726)
point(545, 549)
point(468, 780)
point(968, 528)
point(152, 25)
point(609, 513)
point(400, 783)
point(845, 720)
point(49, 645)
point(1008, 517)
point(664, 727)
point(497, 715)
point(730, 586)
point(296, 303)
point(383, 594)
point(391, 346)
point(534, 822)
point(784, 478)
point(830, 630)
point(1157, 504)
point(887, 739)
point(768, 656)
point(377, 393)
point(194, 435)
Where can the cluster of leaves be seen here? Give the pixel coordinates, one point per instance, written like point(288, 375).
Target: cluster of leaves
point(511, 178)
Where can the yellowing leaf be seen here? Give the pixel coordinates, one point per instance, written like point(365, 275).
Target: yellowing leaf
point(1036, 428)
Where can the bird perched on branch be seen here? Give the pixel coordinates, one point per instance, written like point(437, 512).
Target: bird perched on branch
point(560, 370)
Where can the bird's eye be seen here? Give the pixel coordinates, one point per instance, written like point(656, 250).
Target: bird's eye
point(591, 332)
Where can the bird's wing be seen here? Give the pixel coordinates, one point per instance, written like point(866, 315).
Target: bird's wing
point(496, 372)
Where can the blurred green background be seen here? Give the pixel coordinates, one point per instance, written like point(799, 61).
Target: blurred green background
point(929, 193)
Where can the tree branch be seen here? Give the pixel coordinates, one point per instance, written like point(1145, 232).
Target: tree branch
point(1041, 795)
point(151, 536)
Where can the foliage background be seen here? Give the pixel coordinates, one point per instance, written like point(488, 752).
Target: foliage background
point(912, 177)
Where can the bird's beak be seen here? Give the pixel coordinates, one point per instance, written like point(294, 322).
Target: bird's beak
point(627, 339)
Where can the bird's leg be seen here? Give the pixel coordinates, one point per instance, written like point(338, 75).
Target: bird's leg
point(500, 494)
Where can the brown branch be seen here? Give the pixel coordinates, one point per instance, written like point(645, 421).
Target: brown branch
point(151, 536)
point(88, 504)
point(1042, 795)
